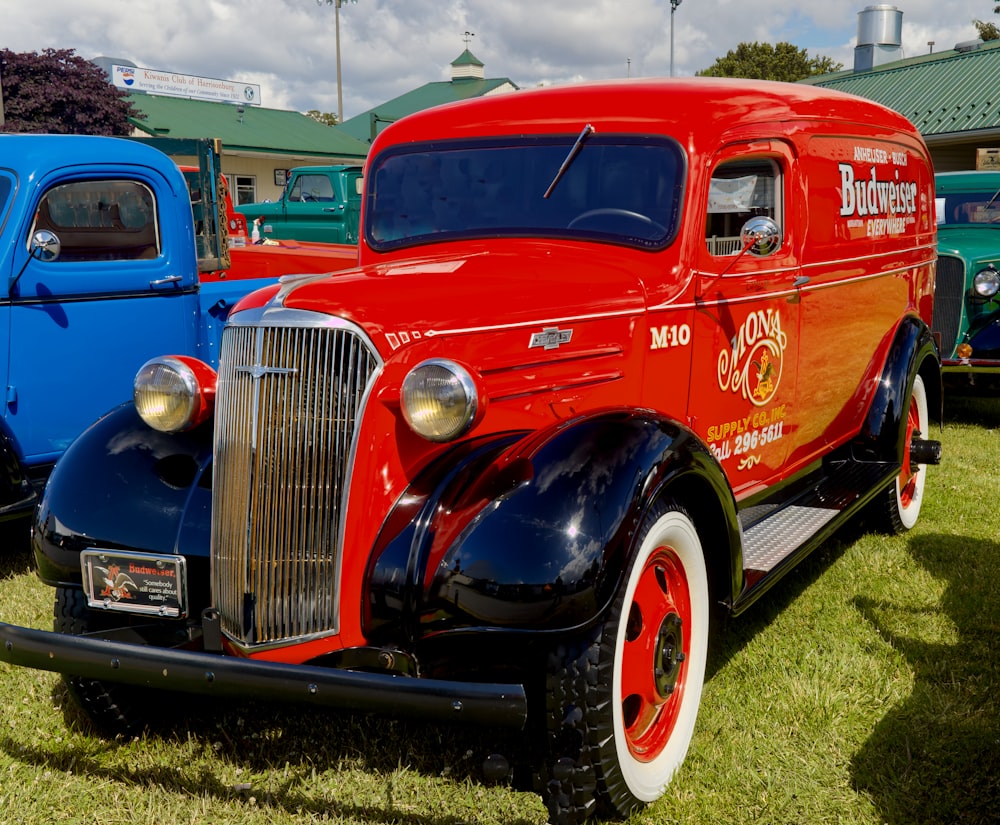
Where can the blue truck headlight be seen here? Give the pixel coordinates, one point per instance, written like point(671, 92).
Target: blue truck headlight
point(986, 283)
point(174, 393)
point(439, 400)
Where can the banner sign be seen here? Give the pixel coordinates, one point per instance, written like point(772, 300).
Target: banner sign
point(156, 82)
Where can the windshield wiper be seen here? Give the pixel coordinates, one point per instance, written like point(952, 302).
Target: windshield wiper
point(588, 130)
point(993, 199)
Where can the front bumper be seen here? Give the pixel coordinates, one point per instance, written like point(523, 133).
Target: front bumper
point(182, 671)
point(971, 376)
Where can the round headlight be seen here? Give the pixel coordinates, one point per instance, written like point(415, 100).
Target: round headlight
point(986, 283)
point(174, 393)
point(439, 400)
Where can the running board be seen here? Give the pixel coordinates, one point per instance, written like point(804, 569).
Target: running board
point(775, 538)
point(775, 532)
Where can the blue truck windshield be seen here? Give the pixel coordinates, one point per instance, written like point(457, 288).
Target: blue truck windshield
point(610, 188)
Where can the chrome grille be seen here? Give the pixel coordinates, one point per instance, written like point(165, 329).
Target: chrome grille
point(949, 296)
point(291, 389)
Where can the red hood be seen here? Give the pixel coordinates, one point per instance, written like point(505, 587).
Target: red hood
point(523, 284)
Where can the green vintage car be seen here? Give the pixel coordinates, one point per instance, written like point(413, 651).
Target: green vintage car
point(966, 304)
point(318, 203)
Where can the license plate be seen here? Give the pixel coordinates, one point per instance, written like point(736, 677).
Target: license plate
point(135, 582)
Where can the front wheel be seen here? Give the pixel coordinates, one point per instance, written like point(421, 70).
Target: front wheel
point(113, 709)
point(622, 704)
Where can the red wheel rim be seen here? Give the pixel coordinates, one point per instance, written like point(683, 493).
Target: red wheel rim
point(654, 655)
point(908, 475)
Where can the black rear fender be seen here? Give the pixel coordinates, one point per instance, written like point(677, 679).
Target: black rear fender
point(912, 352)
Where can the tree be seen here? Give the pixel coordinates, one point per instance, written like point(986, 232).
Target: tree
point(326, 118)
point(988, 31)
point(60, 92)
point(763, 61)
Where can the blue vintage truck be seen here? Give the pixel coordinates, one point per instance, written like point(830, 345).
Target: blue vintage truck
point(108, 257)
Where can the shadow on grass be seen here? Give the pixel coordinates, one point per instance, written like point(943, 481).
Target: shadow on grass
point(734, 633)
point(288, 747)
point(936, 756)
point(980, 411)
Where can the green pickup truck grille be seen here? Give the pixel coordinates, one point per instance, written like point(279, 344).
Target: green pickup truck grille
point(949, 295)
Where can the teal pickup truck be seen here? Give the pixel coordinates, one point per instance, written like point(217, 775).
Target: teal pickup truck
point(967, 292)
point(318, 203)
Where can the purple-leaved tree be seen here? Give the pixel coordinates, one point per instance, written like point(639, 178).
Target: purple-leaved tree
point(58, 91)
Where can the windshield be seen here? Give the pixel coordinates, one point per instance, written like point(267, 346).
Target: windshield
point(616, 189)
point(968, 208)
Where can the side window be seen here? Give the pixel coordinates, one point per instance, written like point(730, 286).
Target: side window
point(312, 188)
point(101, 220)
point(245, 189)
point(6, 187)
point(740, 190)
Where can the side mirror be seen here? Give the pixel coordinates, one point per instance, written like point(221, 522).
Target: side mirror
point(45, 245)
point(760, 236)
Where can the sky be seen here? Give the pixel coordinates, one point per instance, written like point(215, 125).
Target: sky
point(389, 47)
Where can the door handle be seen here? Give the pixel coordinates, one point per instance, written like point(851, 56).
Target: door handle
point(170, 279)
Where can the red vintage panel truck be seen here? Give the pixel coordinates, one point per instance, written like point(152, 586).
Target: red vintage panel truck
point(615, 358)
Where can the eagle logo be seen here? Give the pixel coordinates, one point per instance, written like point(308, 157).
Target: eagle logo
point(117, 583)
point(766, 373)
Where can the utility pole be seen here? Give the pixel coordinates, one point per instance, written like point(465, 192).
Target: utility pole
point(340, 86)
point(673, 7)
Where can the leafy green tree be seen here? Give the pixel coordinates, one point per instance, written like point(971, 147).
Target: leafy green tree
point(988, 31)
point(762, 61)
point(326, 118)
point(60, 92)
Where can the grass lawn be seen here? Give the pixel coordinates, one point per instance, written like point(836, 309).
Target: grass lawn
point(863, 689)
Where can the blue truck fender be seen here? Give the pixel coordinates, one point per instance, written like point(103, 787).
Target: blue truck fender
point(126, 486)
point(535, 532)
point(17, 494)
point(216, 301)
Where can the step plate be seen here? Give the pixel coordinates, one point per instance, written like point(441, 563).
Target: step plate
point(771, 540)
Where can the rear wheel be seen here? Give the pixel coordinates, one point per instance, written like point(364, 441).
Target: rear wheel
point(900, 503)
point(622, 704)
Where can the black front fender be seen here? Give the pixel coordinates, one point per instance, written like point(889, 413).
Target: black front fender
point(124, 485)
point(529, 534)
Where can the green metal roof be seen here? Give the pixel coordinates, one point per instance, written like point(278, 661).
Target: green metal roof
point(943, 93)
point(255, 129)
point(369, 123)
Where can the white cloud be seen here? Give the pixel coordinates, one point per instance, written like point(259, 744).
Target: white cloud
point(389, 47)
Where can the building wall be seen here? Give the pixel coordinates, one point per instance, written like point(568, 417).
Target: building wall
point(959, 155)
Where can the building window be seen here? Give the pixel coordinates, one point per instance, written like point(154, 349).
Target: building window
point(245, 189)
